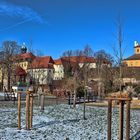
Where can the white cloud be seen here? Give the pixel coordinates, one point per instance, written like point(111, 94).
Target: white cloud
point(23, 12)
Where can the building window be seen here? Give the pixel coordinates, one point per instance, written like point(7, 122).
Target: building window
point(136, 63)
point(21, 64)
point(131, 64)
point(137, 50)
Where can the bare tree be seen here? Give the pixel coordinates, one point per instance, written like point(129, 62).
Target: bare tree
point(104, 62)
point(66, 56)
point(9, 49)
point(81, 70)
point(41, 75)
point(72, 70)
point(119, 49)
point(88, 53)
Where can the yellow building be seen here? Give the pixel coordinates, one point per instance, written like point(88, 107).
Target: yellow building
point(134, 60)
point(24, 59)
point(18, 72)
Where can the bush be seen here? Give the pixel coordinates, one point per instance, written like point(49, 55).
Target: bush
point(80, 91)
point(137, 90)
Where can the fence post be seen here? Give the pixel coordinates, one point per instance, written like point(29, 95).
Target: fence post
point(109, 118)
point(31, 110)
point(127, 120)
point(19, 110)
point(42, 101)
point(121, 110)
point(121, 100)
point(27, 109)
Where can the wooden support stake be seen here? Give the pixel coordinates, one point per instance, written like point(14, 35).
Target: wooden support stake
point(121, 110)
point(127, 120)
point(19, 110)
point(42, 101)
point(27, 109)
point(31, 110)
point(14, 97)
point(109, 119)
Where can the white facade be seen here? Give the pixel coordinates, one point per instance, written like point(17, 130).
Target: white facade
point(58, 72)
point(90, 65)
point(42, 76)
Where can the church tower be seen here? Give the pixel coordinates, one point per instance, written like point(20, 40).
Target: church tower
point(137, 47)
point(23, 48)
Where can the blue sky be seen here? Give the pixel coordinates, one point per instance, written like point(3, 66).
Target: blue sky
point(54, 26)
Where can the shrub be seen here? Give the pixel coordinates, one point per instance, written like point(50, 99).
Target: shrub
point(137, 90)
point(80, 91)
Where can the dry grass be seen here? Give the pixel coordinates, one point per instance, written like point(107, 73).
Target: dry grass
point(135, 104)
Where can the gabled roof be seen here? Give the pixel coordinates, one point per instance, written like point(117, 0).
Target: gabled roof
point(80, 59)
point(42, 62)
point(65, 62)
point(133, 57)
point(58, 62)
point(26, 56)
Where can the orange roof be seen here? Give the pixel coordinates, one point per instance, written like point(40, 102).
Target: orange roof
point(65, 63)
point(58, 62)
point(42, 62)
point(133, 57)
point(27, 55)
point(80, 59)
point(24, 56)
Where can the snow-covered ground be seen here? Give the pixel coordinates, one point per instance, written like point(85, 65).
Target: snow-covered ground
point(60, 122)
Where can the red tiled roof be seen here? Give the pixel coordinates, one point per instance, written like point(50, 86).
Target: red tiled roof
point(27, 55)
point(133, 57)
point(24, 56)
point(20, 71)
point(80, 59)
point(58, 62)
point(66, 63)
point(42, 62)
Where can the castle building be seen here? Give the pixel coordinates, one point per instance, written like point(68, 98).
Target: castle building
point(134, 60)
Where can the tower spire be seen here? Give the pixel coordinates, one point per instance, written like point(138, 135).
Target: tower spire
point(23, 48)
point(136, 47)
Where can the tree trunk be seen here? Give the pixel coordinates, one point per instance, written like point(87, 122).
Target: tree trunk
point(69, 98)
point(8, 81)
point(74, 100)
point(2, 81)
point(84, 111)
point(99, 89)
point(99, 82)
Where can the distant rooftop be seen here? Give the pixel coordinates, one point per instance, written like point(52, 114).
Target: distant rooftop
point(133, 57)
